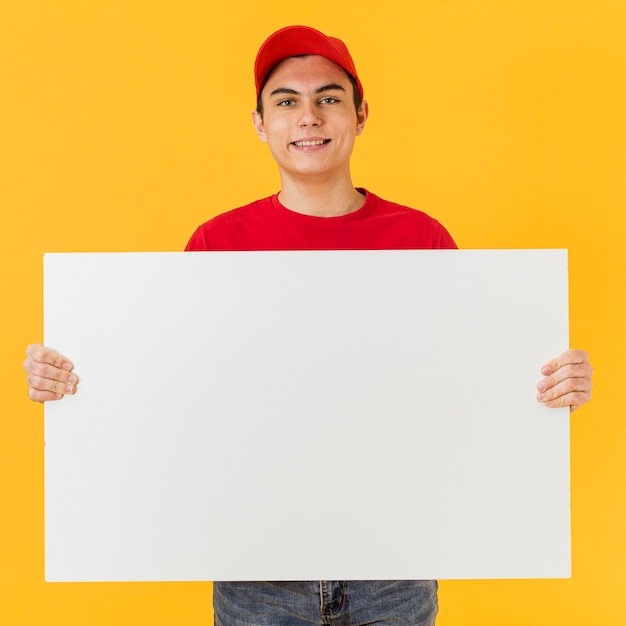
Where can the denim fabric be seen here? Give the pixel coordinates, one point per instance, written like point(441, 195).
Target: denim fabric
point(326, 603)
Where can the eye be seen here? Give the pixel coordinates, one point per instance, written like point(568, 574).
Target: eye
point(285, 103)
point(328, 100)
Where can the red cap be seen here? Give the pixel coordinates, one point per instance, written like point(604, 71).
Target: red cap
point(295, 40)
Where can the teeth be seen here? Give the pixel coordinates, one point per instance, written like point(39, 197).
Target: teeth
point(317, 142)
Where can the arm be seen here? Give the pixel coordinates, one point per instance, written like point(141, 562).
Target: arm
point(567, 380)
point(49, 375)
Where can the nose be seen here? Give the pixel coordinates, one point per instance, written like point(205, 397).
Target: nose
point(309, 115)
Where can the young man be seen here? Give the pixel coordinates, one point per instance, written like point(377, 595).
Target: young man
point(310, 110)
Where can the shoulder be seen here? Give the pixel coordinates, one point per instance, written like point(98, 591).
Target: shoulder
point(394, 209)
point(242, 213)
point(419, 227)
point(212, 232)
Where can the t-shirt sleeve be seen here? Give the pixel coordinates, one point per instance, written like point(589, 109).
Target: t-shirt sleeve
point(197, 242)
point(443, 239)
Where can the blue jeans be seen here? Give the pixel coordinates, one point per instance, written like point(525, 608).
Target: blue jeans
point(326, 603)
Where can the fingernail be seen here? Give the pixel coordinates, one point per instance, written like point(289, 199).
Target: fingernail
point(72, 380)
point(541, 386)
point(541, 397)
point(546, 371)
point(69, 389)
point(67, 366)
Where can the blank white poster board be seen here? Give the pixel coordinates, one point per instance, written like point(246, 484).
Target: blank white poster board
point(306, 416)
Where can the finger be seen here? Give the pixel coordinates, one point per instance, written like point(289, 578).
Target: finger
point(39, 385)
point(582, 371)
point(43, 396)
point(566, 358)
point(574, 400)
point(570, 392)
point(39, 353)
point(49, 372)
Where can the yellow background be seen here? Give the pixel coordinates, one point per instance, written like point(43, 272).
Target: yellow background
point(125, 123)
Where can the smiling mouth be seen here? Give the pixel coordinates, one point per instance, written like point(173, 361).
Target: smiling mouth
point(314, 142)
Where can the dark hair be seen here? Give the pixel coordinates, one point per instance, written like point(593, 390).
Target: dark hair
point(356, 94)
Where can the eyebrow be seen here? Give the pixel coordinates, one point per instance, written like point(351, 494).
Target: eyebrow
point(293, 92)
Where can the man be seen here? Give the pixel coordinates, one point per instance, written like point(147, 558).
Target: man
point(310, 109)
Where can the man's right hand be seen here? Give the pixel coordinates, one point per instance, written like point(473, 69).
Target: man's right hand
point(49, 375)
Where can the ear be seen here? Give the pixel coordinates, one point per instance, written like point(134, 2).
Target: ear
point(257, 120)
point(361, 116)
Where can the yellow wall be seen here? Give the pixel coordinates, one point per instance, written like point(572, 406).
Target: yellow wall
point(125, 123)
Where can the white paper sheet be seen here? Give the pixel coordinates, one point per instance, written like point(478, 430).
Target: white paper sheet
point(306, 416)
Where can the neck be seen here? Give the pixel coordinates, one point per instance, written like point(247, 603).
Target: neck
point(321, 198)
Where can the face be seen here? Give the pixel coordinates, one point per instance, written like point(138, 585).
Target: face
point(309, 120)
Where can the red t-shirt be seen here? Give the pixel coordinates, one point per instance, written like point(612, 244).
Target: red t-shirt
point(268, 225)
